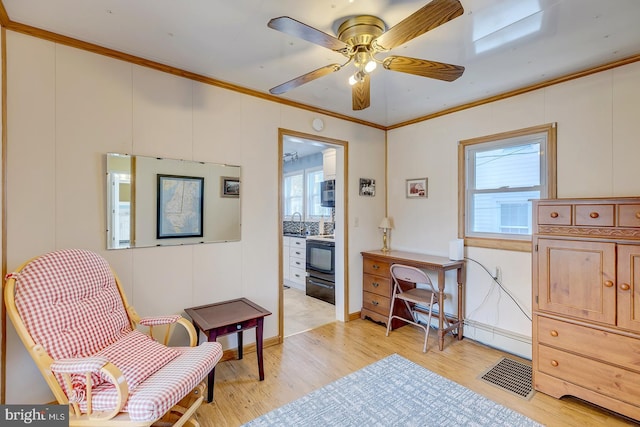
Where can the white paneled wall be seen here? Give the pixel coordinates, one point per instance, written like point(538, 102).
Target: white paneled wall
point(598, 148)
point(67, 108)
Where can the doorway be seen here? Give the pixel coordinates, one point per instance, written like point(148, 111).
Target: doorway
point(303, 161)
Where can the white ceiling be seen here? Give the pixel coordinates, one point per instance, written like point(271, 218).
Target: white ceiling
point(229, 40)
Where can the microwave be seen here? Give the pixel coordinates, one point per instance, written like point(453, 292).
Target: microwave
point(327, 193)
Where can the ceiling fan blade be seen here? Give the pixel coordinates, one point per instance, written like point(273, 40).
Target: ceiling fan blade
point(429, 17)
point(296, 28)
point(360, 93)
point(424, 68)
point(305, 78)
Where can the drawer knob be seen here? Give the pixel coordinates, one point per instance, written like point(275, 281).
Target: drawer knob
point(375, 303)
point(554, 333)
point(594, 215)
point(638, 215)
point(375, 284)
point(608, 283)
point(554, 214)
point(554, 363)
point(625, 287)
point(375, 266)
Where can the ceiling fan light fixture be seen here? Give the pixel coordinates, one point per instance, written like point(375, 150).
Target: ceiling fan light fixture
point(370, 66)
point(357, 77)
point(361, 37)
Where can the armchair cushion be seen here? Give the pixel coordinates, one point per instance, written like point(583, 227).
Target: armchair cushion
point(160, 391)
point(137, 355)
point(79, 316)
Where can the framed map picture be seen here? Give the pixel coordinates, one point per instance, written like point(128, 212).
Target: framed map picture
point(180, 206)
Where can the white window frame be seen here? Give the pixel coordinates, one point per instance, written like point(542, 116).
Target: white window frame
point(467, 191)
point(307, 217)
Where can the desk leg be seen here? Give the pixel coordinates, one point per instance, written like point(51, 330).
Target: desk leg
point(441, 314)
point(259, 328)
point(240, 345)
point(212, 338)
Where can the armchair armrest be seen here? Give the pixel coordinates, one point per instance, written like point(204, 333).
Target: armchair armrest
point(79, 365)
point(159, 320)
point(168, 321)
point(87, 366)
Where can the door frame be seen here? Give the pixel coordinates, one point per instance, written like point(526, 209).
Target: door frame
point(341, 167)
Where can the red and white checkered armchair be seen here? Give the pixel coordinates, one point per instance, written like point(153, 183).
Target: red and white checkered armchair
point(70, 311)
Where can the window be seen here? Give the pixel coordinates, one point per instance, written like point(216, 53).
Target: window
point(500, 174)
point(302, 194)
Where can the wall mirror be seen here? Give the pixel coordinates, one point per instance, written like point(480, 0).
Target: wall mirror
point(160, 202)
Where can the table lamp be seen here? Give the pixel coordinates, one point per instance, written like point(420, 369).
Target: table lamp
point(385, 225)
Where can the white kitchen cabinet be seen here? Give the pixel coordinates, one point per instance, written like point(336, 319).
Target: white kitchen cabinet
point(294, 262)
point(329, 163)
point(285, 258)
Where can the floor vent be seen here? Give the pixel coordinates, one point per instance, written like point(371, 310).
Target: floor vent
point(512, 376)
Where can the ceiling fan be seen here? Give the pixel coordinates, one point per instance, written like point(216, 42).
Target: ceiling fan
point(360, 38)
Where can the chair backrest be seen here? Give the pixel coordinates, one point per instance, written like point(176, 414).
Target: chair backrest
point(69, 302)
point(406, 273)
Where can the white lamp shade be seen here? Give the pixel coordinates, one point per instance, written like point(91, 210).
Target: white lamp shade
point(385, 223)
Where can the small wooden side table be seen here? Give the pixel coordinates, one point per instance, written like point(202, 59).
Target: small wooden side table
point(226, 317)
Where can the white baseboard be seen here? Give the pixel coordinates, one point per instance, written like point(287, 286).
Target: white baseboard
point(492, 336)
point(502, 339)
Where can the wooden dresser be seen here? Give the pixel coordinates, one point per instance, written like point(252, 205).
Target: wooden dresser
point(586, 301)
point(377, 287)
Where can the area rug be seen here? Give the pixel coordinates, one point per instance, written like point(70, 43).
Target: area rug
point(392, 392)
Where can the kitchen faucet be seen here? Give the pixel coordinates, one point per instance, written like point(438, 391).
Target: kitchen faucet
point(300, 226)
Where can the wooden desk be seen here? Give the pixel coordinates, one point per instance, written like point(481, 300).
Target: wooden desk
point(227, 317)
point(377, 287)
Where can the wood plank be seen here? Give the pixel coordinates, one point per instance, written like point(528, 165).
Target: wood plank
point(310, 360)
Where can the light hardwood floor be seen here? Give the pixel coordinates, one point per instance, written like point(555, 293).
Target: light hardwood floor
point(310, 360)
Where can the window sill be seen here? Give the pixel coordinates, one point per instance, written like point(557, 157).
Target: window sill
point(507, 245)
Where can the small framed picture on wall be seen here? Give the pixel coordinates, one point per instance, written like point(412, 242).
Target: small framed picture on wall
point(367, 187)
point(417, 188)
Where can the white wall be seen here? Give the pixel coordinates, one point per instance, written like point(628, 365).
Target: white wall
point(67, 108)
point(598, 151)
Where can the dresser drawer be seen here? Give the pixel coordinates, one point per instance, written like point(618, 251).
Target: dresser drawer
point(379, 268)
point(376, 303)
point(595, 215)
point(597, 376)
point(606, 346)
point(629, 215)
point(376, 285)
point(554, 215)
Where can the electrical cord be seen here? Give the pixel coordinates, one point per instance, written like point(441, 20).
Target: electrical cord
point(495, 279)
